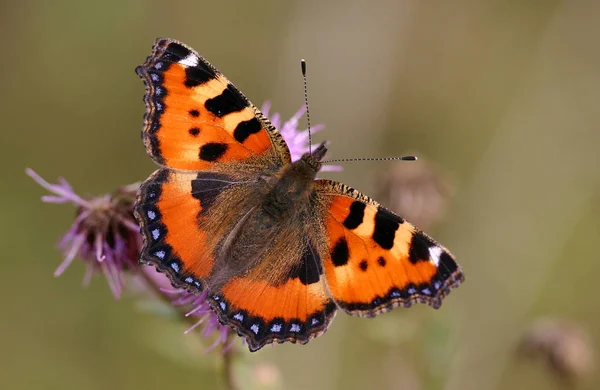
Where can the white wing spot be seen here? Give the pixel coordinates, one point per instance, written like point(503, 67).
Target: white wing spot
point(158, 65)
point(175, 267)
point(190, 60)
point(239, 316)
point(426, 291)
point(411, 291)
point(155, 234)
point(160, 254)
point(295, 328)
point(276, 328)
point(434, 253)
point(151, 214)
point(314, 322)
point(254, 328)
point(189, 279)
point(223, 306)
point(158, 91)
point(154, 77)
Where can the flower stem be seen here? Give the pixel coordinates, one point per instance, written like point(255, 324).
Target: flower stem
point(228, 369)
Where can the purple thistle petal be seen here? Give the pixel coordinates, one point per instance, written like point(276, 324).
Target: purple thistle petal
point(54, 199)
point(98, 244)
point(265, 108)
point(65, 184)
point(76, 245)
point(87, 276)
point(60, 190)
point(198, 323)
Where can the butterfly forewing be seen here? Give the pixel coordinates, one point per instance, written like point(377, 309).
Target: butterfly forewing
point(195, 117)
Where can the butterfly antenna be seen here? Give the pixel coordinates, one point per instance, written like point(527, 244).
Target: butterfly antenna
point(303, 66)
point(403, 158)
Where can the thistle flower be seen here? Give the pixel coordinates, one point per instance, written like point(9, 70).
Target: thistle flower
point(104, 234)
point(106, 237)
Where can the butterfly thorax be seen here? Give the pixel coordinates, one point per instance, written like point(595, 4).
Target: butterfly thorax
point(294, 183)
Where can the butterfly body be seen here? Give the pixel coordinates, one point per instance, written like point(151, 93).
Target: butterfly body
point(278, 250)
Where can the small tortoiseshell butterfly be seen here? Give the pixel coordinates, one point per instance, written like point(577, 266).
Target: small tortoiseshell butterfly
point(229, 212)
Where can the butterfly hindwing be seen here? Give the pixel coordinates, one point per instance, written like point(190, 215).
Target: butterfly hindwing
point(195, 117)
point(297, 309)
point(378, 261)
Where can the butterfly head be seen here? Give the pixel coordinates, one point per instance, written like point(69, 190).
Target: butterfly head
point(314, 159)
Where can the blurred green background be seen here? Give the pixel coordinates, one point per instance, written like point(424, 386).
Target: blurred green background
point(501, 96)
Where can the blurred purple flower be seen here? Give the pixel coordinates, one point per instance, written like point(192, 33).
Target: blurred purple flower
point(104, 233)
point(297, 140)
point(107, 238)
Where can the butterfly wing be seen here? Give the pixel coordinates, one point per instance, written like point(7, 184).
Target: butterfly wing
point(378, 261)
point(297, 309)
point(195, 117)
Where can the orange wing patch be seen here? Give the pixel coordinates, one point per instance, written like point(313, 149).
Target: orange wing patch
point(264, 313)
point(290, 301)
point(195, 116)
point(378, 261)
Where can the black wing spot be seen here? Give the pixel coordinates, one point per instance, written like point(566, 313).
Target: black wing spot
point(207, 186)
point(419, 248)
point(175, 52)
point(363, 265)
point(357, 213)
point(447, 266)
point(198, 75)
point(309, 269)
point(195, 113)
point(212, 151)
point(245, 129)
point(386, 225)
point(340, 254)
point(227, 102)
point(194, 131)
point(381, 261)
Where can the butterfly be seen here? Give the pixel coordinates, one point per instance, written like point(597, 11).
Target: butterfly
point(229, 212)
